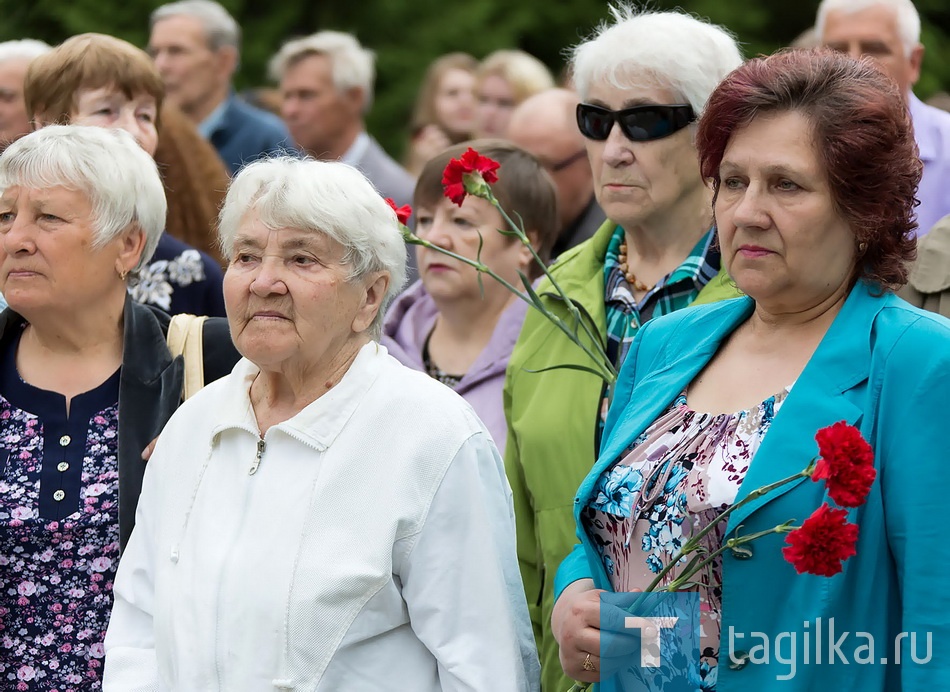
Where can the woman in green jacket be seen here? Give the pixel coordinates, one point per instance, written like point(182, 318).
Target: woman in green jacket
point(656, 254)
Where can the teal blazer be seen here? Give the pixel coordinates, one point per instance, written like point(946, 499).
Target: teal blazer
point(883, 366)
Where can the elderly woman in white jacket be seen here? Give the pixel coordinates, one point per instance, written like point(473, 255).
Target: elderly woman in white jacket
point(324, 518)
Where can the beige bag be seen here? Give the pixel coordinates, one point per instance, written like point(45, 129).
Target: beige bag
point(185, 339)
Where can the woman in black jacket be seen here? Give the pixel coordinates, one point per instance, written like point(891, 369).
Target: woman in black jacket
point(86, 382)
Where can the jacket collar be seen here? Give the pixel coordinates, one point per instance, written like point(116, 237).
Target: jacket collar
point(319, 423)
point(818, 398)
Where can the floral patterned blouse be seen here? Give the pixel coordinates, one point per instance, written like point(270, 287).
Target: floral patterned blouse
point(59, 532)
point(676, 478)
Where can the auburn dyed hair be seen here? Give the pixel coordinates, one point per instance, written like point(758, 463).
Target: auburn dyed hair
point(862, 134)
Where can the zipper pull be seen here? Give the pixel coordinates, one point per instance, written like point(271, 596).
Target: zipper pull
point(257, 459)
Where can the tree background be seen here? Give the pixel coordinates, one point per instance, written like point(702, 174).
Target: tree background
point(408, 34)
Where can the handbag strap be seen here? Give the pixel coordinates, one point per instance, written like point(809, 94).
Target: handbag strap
point(185, 338)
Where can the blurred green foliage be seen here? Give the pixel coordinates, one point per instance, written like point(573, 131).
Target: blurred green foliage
point(408, 35)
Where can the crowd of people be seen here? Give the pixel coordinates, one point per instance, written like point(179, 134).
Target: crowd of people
point(367, 465)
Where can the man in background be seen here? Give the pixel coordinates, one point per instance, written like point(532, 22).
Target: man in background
point(326, 84)
point(546, 125)
point(196, 48)
point(889, 32)
point(15, 57)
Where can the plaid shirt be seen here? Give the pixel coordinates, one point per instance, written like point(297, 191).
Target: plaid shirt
point(674, 291)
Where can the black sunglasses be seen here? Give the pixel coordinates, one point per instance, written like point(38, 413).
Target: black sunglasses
point(638, 124)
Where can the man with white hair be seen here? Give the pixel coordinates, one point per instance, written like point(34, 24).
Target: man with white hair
point(196, 48)
point(326, 84)
point(545, 126)
point(889, 32)
point(15, 57)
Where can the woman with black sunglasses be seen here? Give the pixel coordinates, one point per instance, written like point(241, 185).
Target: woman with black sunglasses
point(642, 80)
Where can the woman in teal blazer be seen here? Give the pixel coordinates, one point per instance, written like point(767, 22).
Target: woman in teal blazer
point(815, 216)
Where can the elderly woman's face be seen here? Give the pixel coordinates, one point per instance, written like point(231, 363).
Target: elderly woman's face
point(783, 241)
point(109, 107)
point(47, 258)
point(288, 300)
point(638, 183)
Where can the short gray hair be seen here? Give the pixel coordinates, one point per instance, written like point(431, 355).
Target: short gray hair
point(326, 197)
point(23, 49)
point(670, 50)
point(352, 65)
point(219, 26)
point(908, 20)
point(119, 178)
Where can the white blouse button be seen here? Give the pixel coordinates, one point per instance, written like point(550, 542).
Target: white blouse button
point(62, 466)
point(59, 495)
point(64, 441)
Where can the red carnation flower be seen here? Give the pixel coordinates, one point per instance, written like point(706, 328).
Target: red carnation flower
point(470, 174)
point(822, 543)
point(402, 213)
point(846, 464)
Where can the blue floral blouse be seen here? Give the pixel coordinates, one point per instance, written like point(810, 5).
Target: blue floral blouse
point(676, 478)
point(59, 532)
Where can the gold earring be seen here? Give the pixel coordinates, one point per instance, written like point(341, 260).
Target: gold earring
point(123, 273)
point(862, 247)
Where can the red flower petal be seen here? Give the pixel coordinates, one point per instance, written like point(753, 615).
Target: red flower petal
point(402, 213)
point(846, 464)
point(822, 543)
point(453, 181)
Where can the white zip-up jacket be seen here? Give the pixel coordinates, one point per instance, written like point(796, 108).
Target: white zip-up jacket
point(365, 544)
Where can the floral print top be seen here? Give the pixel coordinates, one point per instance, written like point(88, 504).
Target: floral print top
point(180, 279)
point(676, 478)
point(59, 532)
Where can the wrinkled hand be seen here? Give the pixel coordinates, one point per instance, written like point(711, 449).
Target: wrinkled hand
point(575, 623)
point(583, 625)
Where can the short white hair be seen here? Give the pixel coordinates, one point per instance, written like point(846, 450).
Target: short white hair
point(219, 26)
point(118, 177)
point(669, 50)
point(23, 49)
point(326, 197)
point(908, 20)
point(351, 64)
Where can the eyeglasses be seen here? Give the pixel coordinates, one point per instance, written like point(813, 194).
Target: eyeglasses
point(638, 124)
point(554, 167)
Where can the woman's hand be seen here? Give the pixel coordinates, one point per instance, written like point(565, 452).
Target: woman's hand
point(575, 623)
point(426, 145)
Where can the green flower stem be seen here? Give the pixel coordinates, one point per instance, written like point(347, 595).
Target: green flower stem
point(693, 543)
point(599, 358)
point(728, 545)
point(575, 313)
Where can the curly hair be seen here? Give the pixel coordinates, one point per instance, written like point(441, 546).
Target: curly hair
point(863, 136)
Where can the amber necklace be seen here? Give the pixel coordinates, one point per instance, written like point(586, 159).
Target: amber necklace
point(627, 274)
